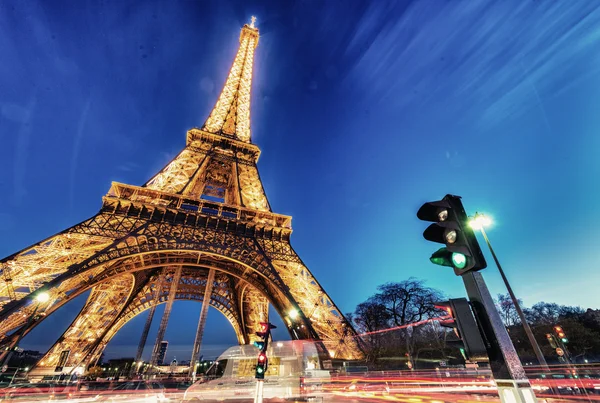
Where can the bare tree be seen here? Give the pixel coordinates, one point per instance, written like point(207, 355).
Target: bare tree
point(507, 310)
point(549, 313)
point(369, 317)
point(408, 301)
point(397, 305)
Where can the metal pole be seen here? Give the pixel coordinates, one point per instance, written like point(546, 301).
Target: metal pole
point(201, 322)
point(528, 332)
point(165, 319)
point(511, 380)
point(144, 337)
point(258, 395)
point(13, 377)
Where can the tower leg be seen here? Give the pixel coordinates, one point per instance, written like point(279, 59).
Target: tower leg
point(144, 337)
point(201, 322)
point(165, 318)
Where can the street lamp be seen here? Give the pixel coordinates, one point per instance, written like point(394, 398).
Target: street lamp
point(42, 297)
point(480, 221)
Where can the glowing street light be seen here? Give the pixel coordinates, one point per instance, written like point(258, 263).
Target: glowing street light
point(480, 221)
point(42, 297)
point(293, 314)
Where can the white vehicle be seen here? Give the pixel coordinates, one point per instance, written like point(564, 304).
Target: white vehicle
point(295, 370)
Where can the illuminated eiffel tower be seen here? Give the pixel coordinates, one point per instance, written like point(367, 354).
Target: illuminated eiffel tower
point(200, 227)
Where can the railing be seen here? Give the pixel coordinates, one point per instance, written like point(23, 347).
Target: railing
point(181, 203)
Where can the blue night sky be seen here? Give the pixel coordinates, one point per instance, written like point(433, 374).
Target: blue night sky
point(363, 111)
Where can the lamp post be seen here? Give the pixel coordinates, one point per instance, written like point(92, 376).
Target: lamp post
point(479, 222)
point(40, 299)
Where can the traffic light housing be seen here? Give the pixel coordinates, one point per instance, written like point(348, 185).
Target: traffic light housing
point(551, 340)
point(260, 345)
point(265, 333)
point(261, 366)
point(451, 227)
point(463, 323)
point(560, 333)
point(262, 360)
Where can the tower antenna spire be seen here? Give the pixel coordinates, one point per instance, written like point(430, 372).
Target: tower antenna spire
point(231, 114)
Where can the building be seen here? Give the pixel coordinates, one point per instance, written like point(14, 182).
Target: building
point(162, 352)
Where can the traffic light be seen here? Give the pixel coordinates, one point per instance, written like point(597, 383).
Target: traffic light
point(263, 362)
point(261, 366)
point(561, 334)
point(551, 340)
point(451, 227)
point(463, 323)
point(265, 333)
point(260, 345)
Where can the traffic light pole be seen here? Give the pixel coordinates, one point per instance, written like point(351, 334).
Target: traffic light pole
point(258, 395)
point(536, 348)
point(513, 385)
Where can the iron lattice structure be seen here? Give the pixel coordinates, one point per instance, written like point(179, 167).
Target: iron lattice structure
point(201, 229)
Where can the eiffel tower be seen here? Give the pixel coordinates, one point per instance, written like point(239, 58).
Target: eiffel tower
point(201, 229)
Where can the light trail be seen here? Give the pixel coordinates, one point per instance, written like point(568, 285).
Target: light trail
point(418, 323)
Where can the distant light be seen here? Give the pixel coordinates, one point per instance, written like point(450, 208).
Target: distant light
point(293, 314)
point(279, 344)
point(42, 297)
point(26, 368)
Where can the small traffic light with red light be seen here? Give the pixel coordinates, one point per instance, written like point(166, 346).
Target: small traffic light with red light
point(261, 366)
point(451, 227)
point(263, 361)
point(561, 334)
point(463, 323)
point(551, 340)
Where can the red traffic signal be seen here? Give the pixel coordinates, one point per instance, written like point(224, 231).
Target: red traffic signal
point(265, 329)
point(441, 306)
point(561, 334)
point(551, 340)
point(261, 366)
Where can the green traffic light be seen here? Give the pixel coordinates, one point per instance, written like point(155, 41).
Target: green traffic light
point(564, 340)
point(459, 260)
point(259, 370)
point(444, 257)
point(440, 257)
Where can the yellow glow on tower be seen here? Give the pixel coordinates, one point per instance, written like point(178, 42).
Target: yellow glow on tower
point(231, 114)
